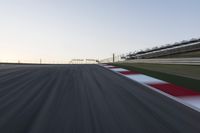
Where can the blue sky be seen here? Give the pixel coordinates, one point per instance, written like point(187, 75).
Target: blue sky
point(66, 29)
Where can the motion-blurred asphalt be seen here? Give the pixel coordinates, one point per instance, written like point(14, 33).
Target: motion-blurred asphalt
point(85, 99)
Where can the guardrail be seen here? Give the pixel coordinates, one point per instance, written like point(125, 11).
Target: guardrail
point(184, 61)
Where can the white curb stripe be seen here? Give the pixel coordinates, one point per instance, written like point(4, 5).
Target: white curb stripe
point(193, 100)
point(119, 69)
point(108, 66)
point(145, 79)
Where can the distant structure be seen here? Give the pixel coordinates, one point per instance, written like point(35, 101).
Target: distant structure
point(77, 61)
point(166, 50)
point(83, 61)
point(91, 61)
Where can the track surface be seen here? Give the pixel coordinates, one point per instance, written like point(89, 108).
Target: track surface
point(85, 99)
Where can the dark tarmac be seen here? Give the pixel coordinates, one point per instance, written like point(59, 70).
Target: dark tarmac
point(85, 99)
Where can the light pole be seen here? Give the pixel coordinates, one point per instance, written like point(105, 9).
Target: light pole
point(113, 57)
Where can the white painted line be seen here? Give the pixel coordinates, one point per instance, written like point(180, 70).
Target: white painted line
point(145, 79)
point(108, 66)
point(193, 100)
point(118, 70)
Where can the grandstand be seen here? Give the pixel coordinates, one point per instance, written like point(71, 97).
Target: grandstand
point(167, 50)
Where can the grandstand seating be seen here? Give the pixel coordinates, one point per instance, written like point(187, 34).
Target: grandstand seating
point(169, 49)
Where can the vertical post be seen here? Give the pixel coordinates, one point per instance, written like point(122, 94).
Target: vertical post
point(40, 61)
point(113, 57)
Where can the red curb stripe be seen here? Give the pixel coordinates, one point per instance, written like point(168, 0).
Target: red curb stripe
point(174, 90)
point(129, 72)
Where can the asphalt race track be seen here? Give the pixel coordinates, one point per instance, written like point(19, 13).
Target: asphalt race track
point(85, 99)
